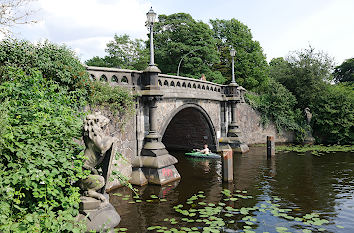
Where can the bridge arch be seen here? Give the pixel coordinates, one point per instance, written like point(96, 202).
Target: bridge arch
point(188, 126)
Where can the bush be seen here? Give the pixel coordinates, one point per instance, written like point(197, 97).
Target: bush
point(116, 98)
point(333, 115)
point(277, 104)
point(39, 159)
point(57, 63)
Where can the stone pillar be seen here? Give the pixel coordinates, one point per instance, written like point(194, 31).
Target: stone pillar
point(233, 97)
point(155, 165)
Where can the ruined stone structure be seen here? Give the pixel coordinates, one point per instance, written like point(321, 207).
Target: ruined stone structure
point(179, 113)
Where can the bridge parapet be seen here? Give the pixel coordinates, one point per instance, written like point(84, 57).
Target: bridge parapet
point(183, 87)
point(114, 76)
point(171, 86)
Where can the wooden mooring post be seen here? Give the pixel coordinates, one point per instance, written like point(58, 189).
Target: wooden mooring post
point(227, 164)
point(270, 146)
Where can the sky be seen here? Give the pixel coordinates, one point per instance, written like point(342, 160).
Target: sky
point(281, 26)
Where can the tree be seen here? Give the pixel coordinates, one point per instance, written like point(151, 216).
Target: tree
point(179, 36)
point(333, 119)
point(345, 71)
point(250, 62)
point(123, 52)
point(13, 12)
point(305, 73)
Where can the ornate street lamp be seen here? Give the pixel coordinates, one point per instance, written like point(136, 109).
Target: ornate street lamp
point(151, 17)
point(233, 53)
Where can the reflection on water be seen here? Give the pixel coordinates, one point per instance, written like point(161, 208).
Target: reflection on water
point(306, 184)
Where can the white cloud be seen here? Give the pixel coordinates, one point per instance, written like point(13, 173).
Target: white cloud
point(87, 25)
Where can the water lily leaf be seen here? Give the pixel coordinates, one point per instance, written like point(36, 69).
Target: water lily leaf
point(339, 226)
point(281, 229)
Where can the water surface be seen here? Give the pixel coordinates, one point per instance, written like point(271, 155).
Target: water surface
point(300, 184)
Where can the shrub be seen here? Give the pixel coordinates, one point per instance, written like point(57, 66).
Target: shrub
point(277, 104)
point(333, 115)
point(39, 160)
point(57, 63)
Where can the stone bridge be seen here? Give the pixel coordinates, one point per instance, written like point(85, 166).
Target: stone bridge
point(175, 113)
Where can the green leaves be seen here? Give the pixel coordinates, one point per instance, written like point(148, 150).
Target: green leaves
point(37, 170)
point(250, 63)
point(118, 99)
point(123, 53)
point(182, 41)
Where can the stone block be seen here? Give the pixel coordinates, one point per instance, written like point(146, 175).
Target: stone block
point(100, 220)
point(138, 177)
point(241, 148)
point(156, 162)
point(161, 176)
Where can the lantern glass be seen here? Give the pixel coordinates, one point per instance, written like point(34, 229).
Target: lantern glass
point(151, 16)
point(232, 52)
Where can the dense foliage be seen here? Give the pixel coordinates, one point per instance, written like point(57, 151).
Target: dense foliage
point(250, 63)
point(43, 88)
point(39, 160)
point(277, 104)
point(345, 71)
point(333, 120)
point(179, 36)
point(124, 53)
point(55, 62)
point(118, 99)
point(307, 75)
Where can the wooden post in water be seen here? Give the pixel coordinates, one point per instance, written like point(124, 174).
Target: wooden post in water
point(270, 146)
point(227, 165)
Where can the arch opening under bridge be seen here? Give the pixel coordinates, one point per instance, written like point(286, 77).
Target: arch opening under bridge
point(188, 127)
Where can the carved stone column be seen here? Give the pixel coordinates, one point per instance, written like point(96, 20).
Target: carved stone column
point(234, 95)
point(155, 165)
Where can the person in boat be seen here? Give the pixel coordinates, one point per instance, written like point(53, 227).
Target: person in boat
point(205, 150)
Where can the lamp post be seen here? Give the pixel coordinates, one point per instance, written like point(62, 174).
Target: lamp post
point(151, 17)
point(233, 53)
point(185, 55)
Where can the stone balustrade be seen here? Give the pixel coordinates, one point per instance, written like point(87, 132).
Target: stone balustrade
point(171, 85)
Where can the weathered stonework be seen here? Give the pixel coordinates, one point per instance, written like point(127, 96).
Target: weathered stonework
point(252, 132)
point(125, 144)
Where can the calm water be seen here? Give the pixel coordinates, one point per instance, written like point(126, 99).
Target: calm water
point(303, 184)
